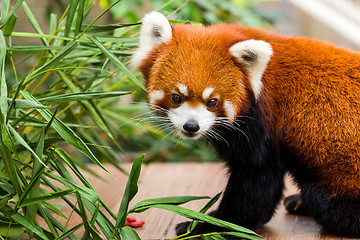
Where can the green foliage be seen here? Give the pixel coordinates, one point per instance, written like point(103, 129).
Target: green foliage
point(64, 101)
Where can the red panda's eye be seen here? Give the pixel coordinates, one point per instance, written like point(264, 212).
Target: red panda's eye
point(211, 103)
point(176, 99)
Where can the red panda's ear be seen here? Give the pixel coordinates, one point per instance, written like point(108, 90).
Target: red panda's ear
point(255, 55)
point(155, 30)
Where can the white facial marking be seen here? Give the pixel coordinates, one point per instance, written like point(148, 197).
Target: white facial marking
point(155, 30)
point(230, 110)
point(182, 88)
point(255, 54)
point(207, 92)
point(155, 96)
point(179, 116)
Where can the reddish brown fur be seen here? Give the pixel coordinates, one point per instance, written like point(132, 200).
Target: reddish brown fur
point(312, 105)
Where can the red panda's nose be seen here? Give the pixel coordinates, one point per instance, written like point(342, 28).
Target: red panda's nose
point(191, 126)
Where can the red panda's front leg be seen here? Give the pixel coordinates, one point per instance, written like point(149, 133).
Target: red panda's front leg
point(255, 183)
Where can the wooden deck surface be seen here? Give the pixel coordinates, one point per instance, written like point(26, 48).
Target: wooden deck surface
point(185, 179)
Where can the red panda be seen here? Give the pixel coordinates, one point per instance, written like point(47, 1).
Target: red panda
point(268, 104)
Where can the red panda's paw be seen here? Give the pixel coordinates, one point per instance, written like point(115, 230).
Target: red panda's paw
point(295, 205)
point(201, 228)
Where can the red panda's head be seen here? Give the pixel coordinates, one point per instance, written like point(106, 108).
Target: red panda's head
point(199, 77)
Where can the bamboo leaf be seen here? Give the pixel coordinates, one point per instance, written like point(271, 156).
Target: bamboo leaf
point(165, 200)
point(33, 21)
point(21, 103)
point(10, 13)
point(20, 219)
point(70, 16)
point(117, 62)
point(9, 26)
point(193, 224)
point(127, 233)
point(18, 138)
point(8, 162)
point(3, 84)
point(201, 217)
point(130, 191)
point(11, 230)
point(79, 17)
point(79, 96)
point(57, 58)
point(46, 197)
point(83, 191)
point(66, 133)
point(108, 28)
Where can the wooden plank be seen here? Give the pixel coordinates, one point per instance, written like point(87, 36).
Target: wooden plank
point(180, 179)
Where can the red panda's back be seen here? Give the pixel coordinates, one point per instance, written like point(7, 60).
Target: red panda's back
point(314, 90)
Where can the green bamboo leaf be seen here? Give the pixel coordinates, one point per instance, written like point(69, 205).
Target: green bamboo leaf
point(9, 164)
point(7, 139)
point(127, 233)
point(193, 224)
point(66, 133)
point(11, 230)
point(33, 188)
point(57, 58)
point(9, 26)
point(79, 17)
point(130, 191)
point(95, 214)
point(70, 16)
point(5, 9)
point(46, 197)
point(10, 13)
point(65, 51)
point(53, 23)
point(66, 158)
point(4, 200)
point(102, 220)
point(54, 208)
point(89, 230)
point(85, 192)
point(165, 200)
point(45, 216)
point(70, 232)
point(21, 103)
point(242, 235)
point(107, 28)
point(3, 84)
point(80, 96)
point(18, 138)
point(33, 21)
point(117, 62)
point(32, 48)
point(201, 217)
point(20, 219)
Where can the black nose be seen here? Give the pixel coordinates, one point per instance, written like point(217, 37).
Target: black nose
point(191, 126)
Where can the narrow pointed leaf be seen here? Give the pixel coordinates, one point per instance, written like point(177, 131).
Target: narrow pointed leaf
point(20, 219)
point(130, 191)
point(79, 96)
point(10, 13)
point(193, 224)
point(21, 103)
point(127, 233)
point(47, 197)
point(201, 217)
point(65, 132)
point(117, 62)
point(165, 200)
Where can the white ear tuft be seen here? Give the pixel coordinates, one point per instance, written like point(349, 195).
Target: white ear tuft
point(255, 55)
point(155, 30)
